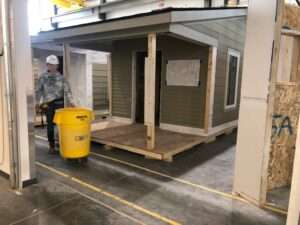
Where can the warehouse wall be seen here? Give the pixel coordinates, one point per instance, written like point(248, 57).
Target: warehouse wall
point(4, 146)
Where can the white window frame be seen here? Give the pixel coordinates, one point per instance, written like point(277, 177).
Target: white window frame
point(232, 52)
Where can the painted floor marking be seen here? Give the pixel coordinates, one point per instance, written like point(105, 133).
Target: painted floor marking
point(189, 183)
point(106, 206)
point(110, 195)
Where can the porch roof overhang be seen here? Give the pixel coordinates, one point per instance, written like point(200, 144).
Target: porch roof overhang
point(169, 21)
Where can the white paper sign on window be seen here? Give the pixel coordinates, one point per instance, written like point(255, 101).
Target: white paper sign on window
point(183, 73)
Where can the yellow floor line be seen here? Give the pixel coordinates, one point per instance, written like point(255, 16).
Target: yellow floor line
point(275, 209)
point(110, 195)
point(189, 183)
point(108, 207)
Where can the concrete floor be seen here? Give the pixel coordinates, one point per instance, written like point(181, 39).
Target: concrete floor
point(280, 197)
point(132, 196)
point(210, 165)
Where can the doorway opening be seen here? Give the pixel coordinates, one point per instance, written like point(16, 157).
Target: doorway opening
point(140, 86)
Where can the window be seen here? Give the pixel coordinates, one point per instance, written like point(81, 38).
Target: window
point(232, 77)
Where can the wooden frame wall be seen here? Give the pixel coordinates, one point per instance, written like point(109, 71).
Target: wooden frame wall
point(257, 99)
point(294, 204)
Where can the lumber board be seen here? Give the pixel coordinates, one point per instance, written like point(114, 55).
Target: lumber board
point(294, 203)
point(150, 77)
point(210, 84)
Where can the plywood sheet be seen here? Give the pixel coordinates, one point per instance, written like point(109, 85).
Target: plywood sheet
point(291, 18)
point(284, 132)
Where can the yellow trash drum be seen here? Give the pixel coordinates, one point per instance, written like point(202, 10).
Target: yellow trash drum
point(74, 126)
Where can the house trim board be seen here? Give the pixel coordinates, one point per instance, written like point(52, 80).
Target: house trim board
point(199, 131)
point(232, 52)
point(210, 88)
point(121, 120)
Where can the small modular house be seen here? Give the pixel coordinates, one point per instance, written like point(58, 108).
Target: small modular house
point(174, 79)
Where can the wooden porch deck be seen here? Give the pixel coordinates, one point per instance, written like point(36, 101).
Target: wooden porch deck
point(133, 138)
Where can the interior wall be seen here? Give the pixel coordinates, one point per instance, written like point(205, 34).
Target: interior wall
point(80, 78)
point(22, 69)
point(93, 57)
point(254, 116)
point(4, 147)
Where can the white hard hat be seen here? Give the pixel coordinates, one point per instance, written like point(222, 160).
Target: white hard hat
point(52, 59)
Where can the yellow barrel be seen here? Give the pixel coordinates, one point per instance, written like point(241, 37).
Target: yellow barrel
point(74, 126)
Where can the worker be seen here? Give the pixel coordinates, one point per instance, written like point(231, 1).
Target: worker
point(50, 92)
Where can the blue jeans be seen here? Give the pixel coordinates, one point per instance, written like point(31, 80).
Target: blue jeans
point(52, 107)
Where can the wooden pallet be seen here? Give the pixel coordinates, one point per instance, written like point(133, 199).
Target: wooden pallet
point(133, 138)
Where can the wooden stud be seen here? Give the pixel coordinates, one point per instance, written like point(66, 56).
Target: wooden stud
point(150, 157)
point(168, 159)
point(66, 60)
point(271, 100)
point(66, 64)
point(108, 147)
point(229, 131)
point(295, 75)
point(150, 73)
point(210, 140)
point(109, 83)
point(294, 203)
point(210, 87)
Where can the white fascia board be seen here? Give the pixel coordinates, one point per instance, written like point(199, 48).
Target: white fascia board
point(198, 15)
point(88, 12)
point(122, 24)
point(193, 35)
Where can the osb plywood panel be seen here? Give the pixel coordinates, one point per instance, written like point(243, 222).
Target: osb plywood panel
point(285, 119)
point(291, 17)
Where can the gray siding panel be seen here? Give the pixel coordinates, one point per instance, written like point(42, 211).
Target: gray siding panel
point(121, 83)
point(231, 34)
point(100, 89)
point(179, 105)
point(183, 105)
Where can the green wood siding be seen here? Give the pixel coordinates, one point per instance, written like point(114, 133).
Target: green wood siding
point(231, 34)
point(100, 89)
point(179, 105)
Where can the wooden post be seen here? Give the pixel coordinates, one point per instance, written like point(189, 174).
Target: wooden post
point(150, 73)
point(294, 203)
point(66, 60)
point(109, 82)
point(66, 64)
point(210, 88)
point(257, 99)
